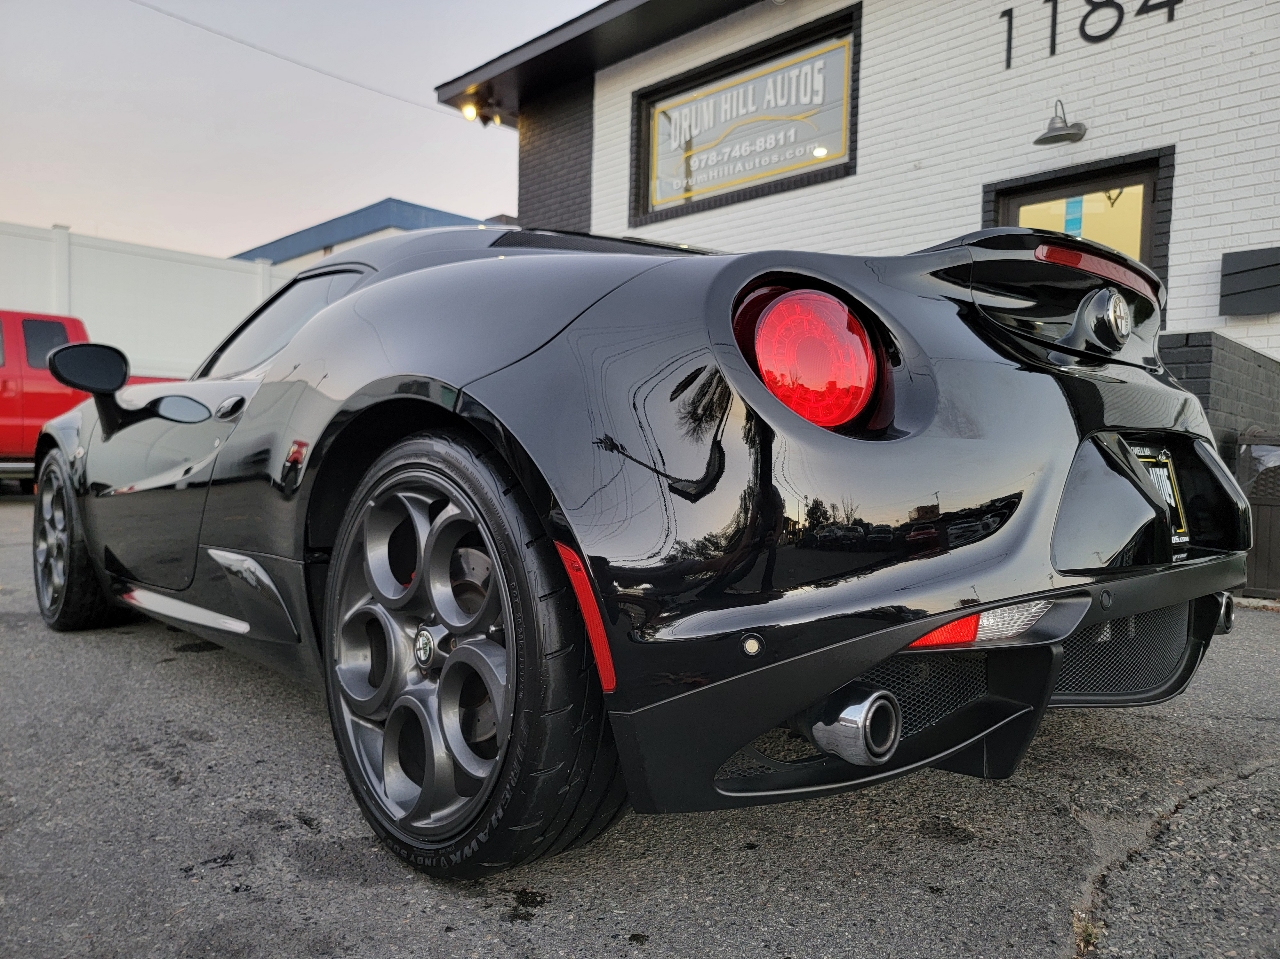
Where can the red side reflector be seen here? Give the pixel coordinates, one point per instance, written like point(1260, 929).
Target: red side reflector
point(955, 633)
point(591, 616)
point(1098, 267)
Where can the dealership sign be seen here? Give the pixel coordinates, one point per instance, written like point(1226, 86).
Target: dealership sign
point(769, 122)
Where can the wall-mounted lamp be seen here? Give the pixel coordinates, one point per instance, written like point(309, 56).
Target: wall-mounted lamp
point(483, 110)
point(1059, 130)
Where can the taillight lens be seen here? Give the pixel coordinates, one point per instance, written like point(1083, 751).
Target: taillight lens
point(989, 626)
point(812, 353)
point(955, 633)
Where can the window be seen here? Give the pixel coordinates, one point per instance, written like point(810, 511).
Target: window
point(1115, 211)
point(42, 337)
point(1124, 202)
point(776, 116)
point(270, 330)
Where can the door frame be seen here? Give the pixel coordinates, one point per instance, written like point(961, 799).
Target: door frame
point(1158, 164)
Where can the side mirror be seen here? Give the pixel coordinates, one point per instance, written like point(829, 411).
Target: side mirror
point(96, 369)
point(91, 367)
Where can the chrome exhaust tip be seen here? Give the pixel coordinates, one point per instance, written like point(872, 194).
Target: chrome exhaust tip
point(1226, 614)
point(866, 729)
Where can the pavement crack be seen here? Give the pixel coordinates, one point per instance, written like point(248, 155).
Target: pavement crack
point(1087, 919)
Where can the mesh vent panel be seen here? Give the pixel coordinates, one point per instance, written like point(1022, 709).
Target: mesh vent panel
point(1132, 654)
point(930, 686)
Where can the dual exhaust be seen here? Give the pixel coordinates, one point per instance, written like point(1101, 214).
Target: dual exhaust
point(860, 723)
point(1226, 614)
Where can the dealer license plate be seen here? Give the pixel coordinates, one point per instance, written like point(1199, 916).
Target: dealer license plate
point(1159, 464)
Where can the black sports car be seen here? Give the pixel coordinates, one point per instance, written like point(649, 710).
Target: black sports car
point(564, 523)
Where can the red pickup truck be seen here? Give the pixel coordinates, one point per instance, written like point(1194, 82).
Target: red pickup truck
point(29, 395)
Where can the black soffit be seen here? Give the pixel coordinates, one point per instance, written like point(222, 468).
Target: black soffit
point(601, 37)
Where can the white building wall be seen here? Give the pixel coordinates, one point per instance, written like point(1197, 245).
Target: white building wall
point(165, 310)
point(939, 116)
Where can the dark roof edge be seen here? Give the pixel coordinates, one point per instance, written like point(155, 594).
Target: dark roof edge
point(604, 35)
point(569, 30)
point(351, 226)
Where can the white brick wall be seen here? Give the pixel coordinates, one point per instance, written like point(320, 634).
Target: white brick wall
point(939, 116)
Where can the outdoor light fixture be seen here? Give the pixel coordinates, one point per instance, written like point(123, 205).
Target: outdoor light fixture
point(1059, 130)
point(483, 109)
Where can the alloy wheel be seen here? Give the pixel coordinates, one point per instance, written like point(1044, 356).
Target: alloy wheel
point(52, 540)
point(423, 654)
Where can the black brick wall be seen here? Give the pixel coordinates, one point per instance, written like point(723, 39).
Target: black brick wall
point(1237, 386)
point(555, 158)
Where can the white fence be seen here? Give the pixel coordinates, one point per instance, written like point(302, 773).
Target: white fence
point(165, 309)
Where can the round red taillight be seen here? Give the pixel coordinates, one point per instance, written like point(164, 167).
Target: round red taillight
point(815, 356)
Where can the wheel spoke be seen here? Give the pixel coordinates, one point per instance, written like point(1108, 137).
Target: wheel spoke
point(418, 772)
point(394, 534)
point(459, 575)
point(473, 698)
point(370, 658)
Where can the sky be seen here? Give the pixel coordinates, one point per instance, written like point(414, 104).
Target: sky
point(123, 123)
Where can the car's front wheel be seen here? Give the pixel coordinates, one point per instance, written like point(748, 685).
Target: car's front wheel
point(461, 690)
point(68, 589)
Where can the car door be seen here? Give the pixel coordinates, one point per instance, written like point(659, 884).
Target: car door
point(148, 482)
point(43, 397)
point(10, 391)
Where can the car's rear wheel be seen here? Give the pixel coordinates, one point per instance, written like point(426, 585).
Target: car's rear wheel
point(462, 695)
point(67, 587)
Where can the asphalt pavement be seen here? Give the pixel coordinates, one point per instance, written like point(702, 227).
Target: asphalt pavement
point(162, 797)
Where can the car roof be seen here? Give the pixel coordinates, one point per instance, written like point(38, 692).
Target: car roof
point(385, 251)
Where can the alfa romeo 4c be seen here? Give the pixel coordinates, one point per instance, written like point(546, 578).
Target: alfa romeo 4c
point(564, 523)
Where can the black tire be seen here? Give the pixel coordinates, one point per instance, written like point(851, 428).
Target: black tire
point(554, 781)
point(67, 587)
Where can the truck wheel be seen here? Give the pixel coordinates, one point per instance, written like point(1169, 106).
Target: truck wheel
point(462, 692)
point(67, 587)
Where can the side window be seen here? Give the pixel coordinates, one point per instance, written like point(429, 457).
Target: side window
point(42, 337)
point(270, 331)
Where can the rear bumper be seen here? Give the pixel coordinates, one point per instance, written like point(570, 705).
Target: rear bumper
point(11, 469)
point(672, 751)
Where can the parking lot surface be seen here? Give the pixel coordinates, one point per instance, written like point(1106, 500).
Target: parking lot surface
point(162, 797)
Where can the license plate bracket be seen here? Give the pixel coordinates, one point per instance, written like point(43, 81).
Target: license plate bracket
point(1159, 464)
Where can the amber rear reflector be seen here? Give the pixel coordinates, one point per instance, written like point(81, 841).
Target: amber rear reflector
point(955, 633)
point(1098, 267)
point(590, 616)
